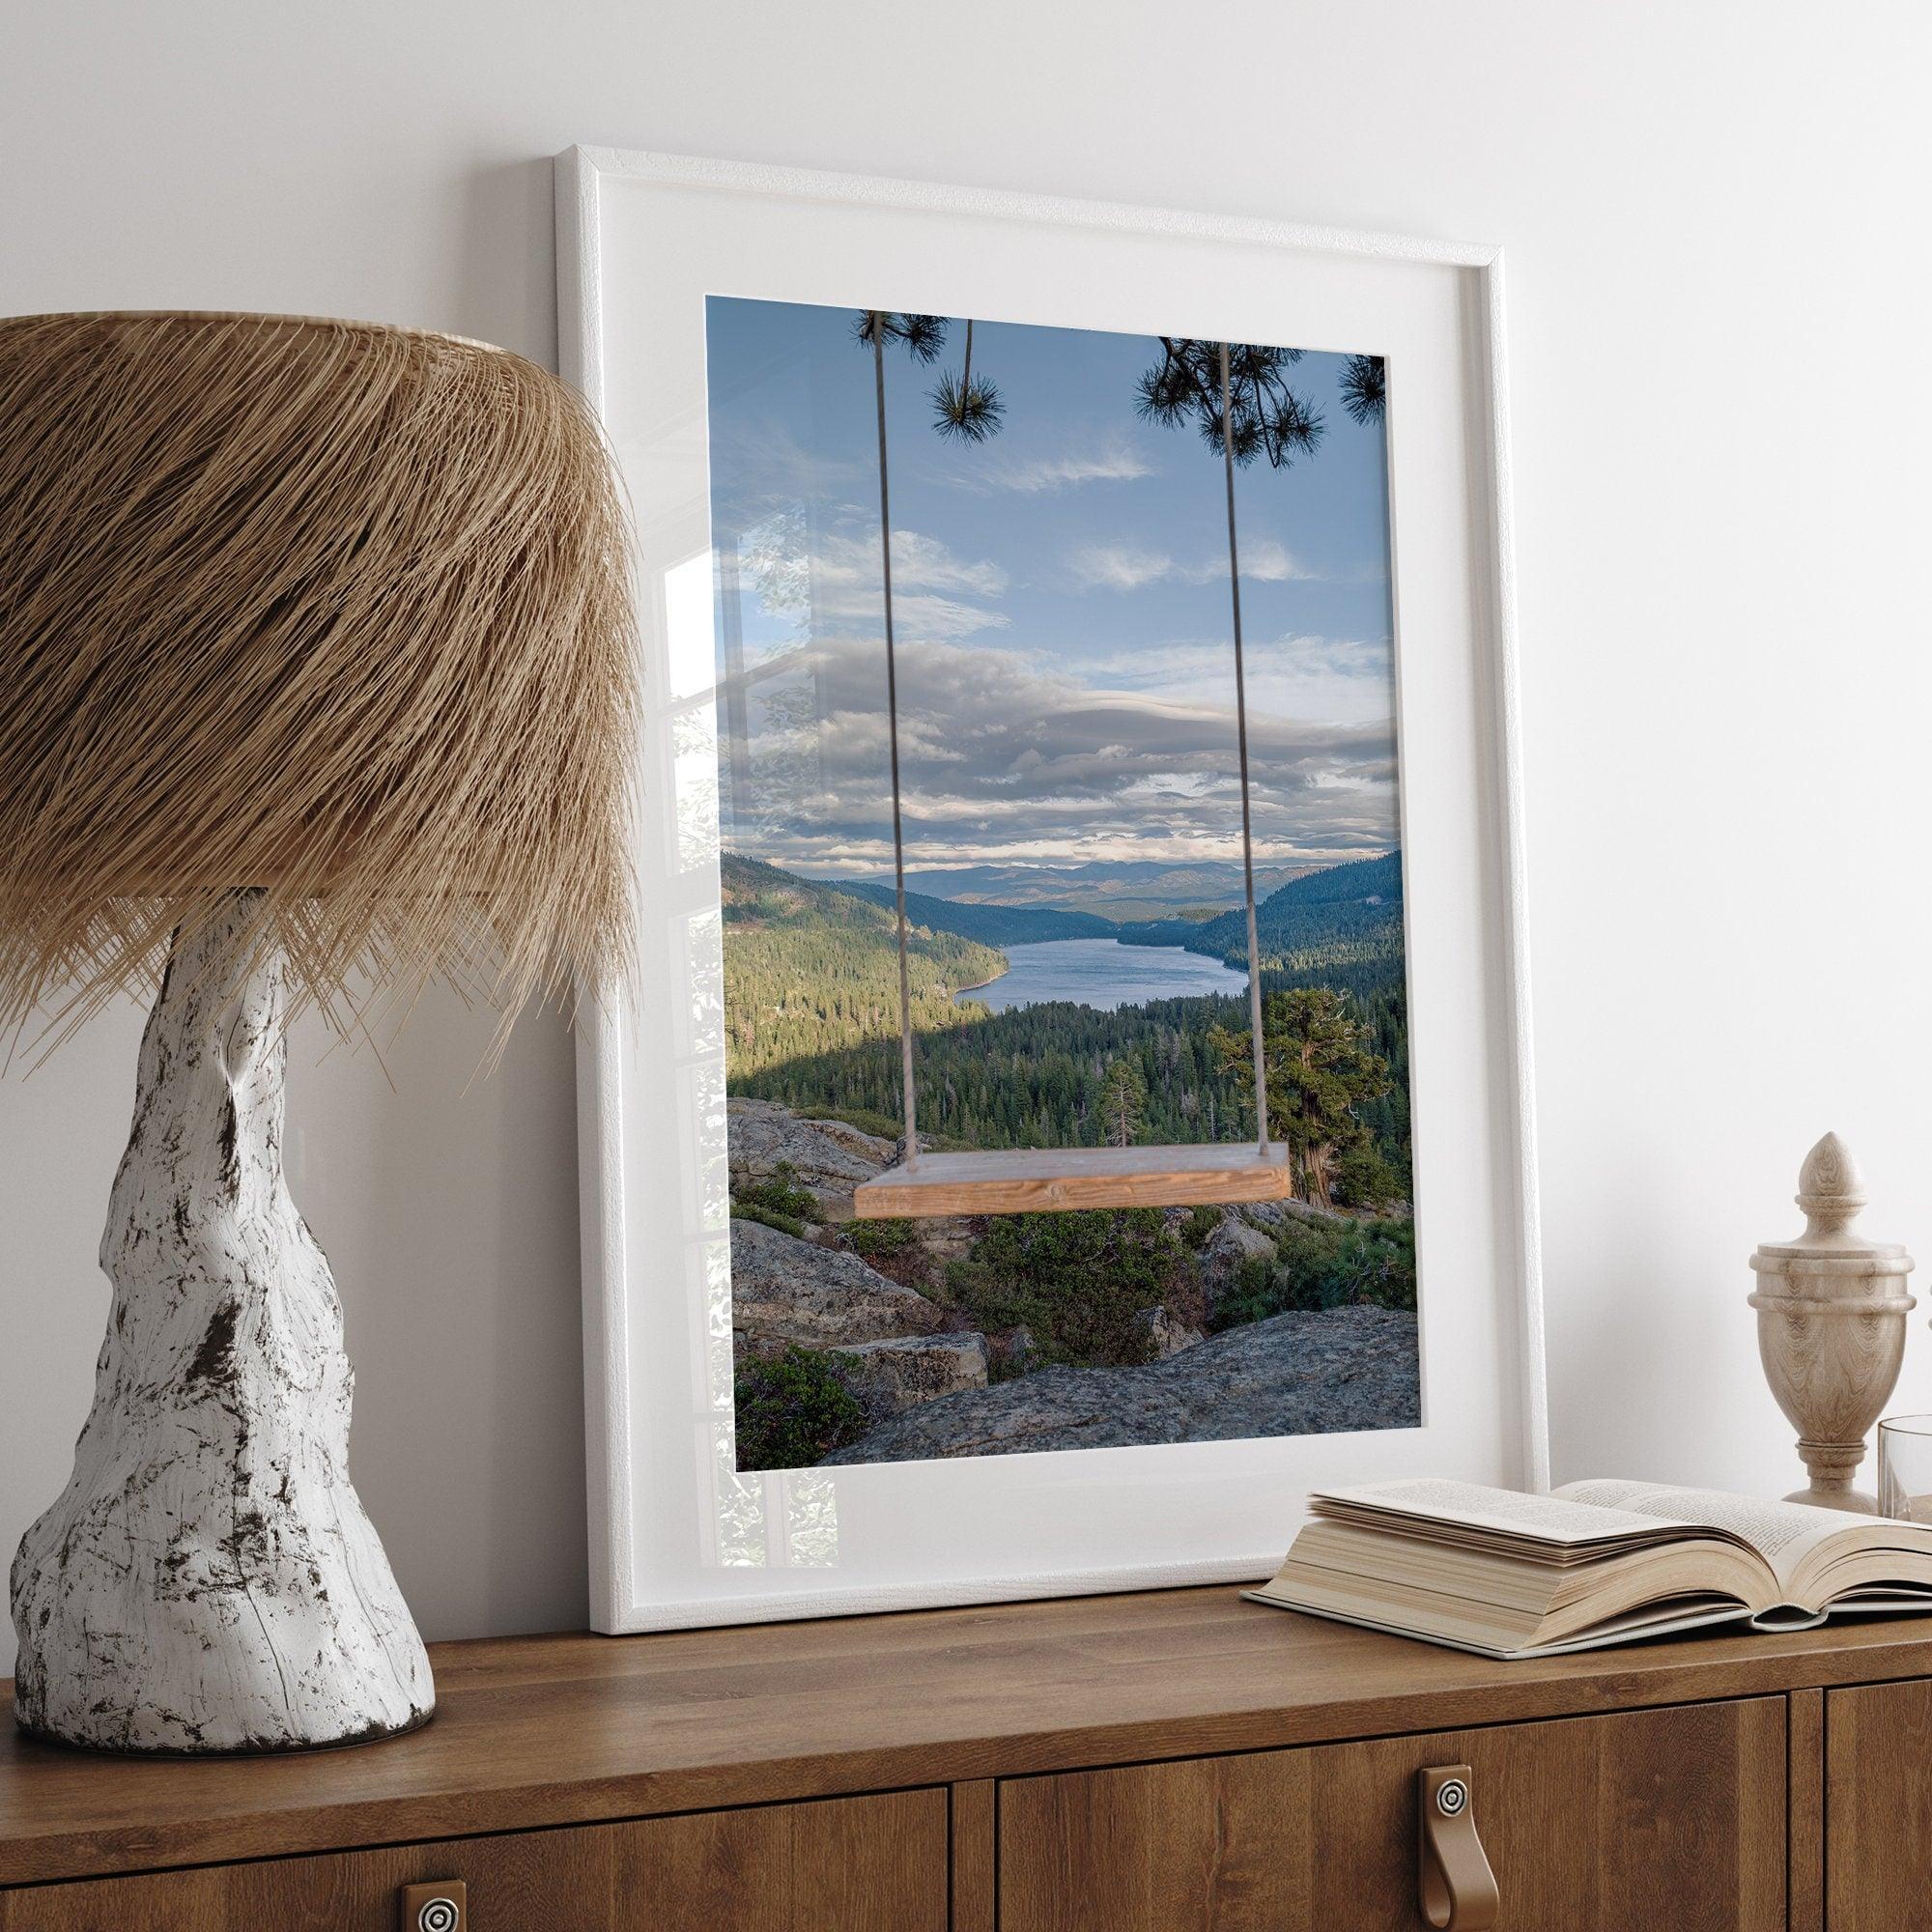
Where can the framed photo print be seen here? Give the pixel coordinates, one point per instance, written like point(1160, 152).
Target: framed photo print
point(1076, 1095)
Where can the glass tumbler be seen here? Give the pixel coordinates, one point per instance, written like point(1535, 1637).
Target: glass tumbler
point(1905, 1467)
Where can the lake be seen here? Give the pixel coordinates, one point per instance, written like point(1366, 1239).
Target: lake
point(1101, 972)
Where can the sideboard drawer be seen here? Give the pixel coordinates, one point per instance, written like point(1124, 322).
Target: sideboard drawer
point(844, 1865)
point(1878, 1807)
point(1653, 1819)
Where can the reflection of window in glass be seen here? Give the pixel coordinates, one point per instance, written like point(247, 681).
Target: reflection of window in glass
point(693, 757)
point(738, 1508)
point(759, 1520)
point(771, 680)
point(811, 1519)
point(702, 941)
point(687, 595)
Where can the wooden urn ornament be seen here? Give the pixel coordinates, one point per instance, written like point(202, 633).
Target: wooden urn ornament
point(318, 681)
point(1830, 1326)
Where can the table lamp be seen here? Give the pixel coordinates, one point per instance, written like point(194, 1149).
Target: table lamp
point(317, 682)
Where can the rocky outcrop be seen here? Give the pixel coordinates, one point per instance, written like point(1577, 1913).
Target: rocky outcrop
point(1275, 1214)
point(827, 1158)
point(891, 1377)
point(1233, 1244)
point(1292, 1374)
point(1013, 1349)
point(788, 1291)
point(1167, 1334)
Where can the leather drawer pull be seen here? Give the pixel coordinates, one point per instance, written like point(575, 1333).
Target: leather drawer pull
point(1454, 1884)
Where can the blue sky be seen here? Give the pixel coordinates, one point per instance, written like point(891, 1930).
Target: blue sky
point(1065, 646)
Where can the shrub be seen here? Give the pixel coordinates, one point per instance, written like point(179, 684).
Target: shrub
point(882, 1241)
point(765, 1216)
point(1324, 1267)
point(1199, 1225)
point(1079, 1283)
point(882, 1126)
point(794, 1409)
point(780, 1194)
point(1363, 1178)
point(1250, 1296)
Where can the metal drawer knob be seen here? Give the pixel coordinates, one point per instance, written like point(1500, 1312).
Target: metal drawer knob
point(1454, 1884)
point(435, 1908)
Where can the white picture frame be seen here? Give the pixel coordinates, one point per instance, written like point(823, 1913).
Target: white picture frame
point(677, 1538)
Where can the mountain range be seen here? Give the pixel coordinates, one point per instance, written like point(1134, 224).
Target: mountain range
point(991, 924)
point(1339, 916)
point(809, 967)
point(1114, 889)
point(811, 1007)
point(1343, 914)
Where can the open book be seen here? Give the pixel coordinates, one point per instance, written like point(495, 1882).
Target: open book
point(1593, 1563)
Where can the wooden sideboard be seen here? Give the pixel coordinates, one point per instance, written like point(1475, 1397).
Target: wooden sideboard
point(1157, 1763)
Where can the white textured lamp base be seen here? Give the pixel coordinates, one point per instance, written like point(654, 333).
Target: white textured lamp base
point(208, 1581)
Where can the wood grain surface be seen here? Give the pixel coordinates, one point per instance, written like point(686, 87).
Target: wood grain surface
point(1656, 1819)
point(1878, 1808)
point(1804, 1785)
point(571, 1730)
point(851, 1864)
point(975, 1855)
point(1035, 1178)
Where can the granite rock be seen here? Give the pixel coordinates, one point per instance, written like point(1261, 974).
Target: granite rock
point(827, 1158)
point(787, 1291)
point(895, 1376)
point(1298, 1374)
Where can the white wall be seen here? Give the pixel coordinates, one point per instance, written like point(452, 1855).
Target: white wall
point(1714, 212)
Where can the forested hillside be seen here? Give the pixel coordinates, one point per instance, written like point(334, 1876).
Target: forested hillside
point(1114, 889)
point(989, 925)
point(811, 1003)
point(807, 968)
point(1033, 1077)
point(1340, 926)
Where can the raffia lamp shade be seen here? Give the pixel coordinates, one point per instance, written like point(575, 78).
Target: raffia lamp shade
point(335, 611)
point(318, 680)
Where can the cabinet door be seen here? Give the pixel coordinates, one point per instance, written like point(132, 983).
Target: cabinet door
point(1878, 1808)
point(848, 1864)
point(1655, 1819)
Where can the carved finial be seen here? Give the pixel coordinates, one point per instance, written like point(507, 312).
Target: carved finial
point(1831, 1189)
point(1830, 1326)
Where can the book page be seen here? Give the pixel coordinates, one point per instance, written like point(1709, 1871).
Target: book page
point(1782, 1533)
point(1559, 1519)
point(1665, 1619)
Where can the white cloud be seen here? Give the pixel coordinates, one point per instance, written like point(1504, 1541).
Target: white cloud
point(1064, 470)
point(1128, 566)
point(936, 593)
point(1180, 664)
point(1342, 680)
point(920, 562)
point(1119, 566)
point(918, 615)
point(1268, 563)
point(1002, 755)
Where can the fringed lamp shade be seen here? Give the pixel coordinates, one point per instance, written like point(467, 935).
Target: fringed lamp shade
point(334, 610)
point(317, 677)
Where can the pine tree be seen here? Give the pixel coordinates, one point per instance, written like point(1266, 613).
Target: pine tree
point(1321, 1071)
point(1122, 1102)
point(967, 406)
